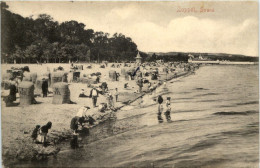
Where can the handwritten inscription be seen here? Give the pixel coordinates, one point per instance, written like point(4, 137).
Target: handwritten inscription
point(195, 10)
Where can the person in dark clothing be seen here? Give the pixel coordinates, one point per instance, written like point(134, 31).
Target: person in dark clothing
point(140, 84)
point(44, 131)
point(26, 68)
point(116, 94)
point(82, 94)
point(35, 132)
point(126, 85)
point(12, 93)
point(91, 120)
point(160, 109)
point(74, 142)
point(75, 122)
point(98, 79)
point(44, 88)
point(104, 87)
point(160, 99)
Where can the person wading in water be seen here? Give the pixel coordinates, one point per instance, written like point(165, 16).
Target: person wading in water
point(160, 109)
point(168, 110)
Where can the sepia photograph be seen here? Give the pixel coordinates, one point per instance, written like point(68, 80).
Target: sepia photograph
point(130, 84)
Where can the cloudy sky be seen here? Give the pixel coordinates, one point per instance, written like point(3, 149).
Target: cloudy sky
point(159, 26)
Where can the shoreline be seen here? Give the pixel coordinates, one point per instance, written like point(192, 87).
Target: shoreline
point(30, 149)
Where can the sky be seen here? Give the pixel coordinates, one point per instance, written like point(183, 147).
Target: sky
point(227, 27)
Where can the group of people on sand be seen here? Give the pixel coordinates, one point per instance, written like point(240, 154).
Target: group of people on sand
point(83, 116)
point(95, 92)
point(39, 134)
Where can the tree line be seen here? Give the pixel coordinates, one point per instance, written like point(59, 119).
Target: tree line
point(28, 40)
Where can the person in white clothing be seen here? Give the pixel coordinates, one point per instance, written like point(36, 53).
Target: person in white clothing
point(168, 109)
point(94, 96)
point(83, 112)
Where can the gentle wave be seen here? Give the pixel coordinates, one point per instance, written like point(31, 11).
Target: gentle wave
point(187, 111)
point(221, 106)
point(217, 100)
point(236, 113)
point(200, 89)
point(250, 102)
point(202, 145)
point(206, 94)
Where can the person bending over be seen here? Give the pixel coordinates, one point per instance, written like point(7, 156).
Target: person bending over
point(43, 133)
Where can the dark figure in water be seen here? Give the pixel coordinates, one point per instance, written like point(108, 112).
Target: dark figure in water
point(168, 109)
point(160, 109)
point(75, 122)
point(45, 88)
point(74, 142)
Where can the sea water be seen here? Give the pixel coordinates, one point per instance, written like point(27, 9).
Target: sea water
point(214, 124)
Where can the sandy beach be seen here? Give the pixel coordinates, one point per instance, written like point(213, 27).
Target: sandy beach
point(18, 122)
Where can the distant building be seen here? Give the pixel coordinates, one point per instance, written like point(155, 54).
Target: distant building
point(190, 56)
point(201, 58)
point(138, 58)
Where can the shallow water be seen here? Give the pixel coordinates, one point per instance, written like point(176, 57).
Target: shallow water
point(215, 124)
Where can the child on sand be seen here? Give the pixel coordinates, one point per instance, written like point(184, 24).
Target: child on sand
point(35, 133)
point(82, 93)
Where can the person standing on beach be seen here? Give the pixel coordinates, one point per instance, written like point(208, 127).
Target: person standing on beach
point(140, 84)
point(44, 87)
point(94, 96)
point(110, 102)
point(116, 94)
point(117, 76)
point(35, 133)
point(160, 109)
point(104, 87)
